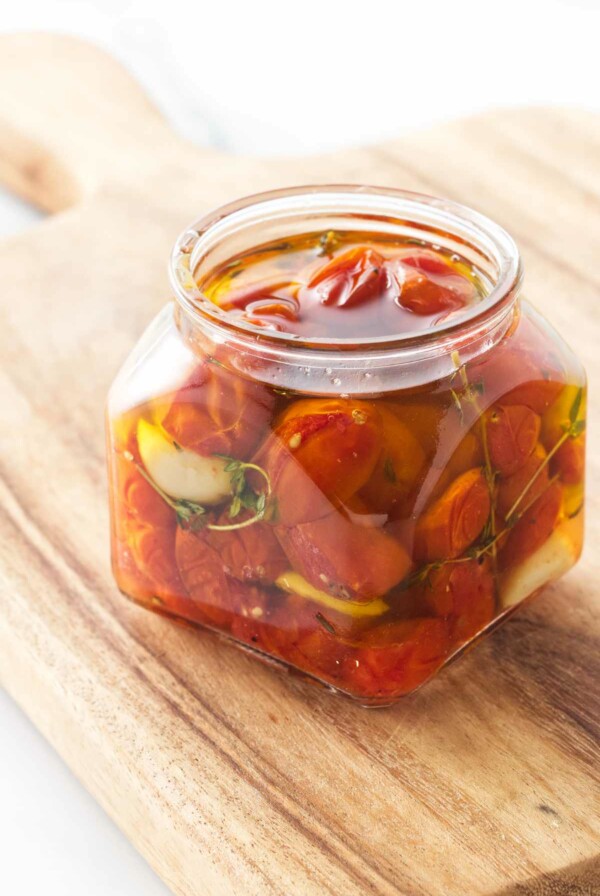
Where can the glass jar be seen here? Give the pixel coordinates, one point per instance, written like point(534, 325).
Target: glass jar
point(358, 510)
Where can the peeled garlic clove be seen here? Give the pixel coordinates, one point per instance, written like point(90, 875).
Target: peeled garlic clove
point(549, 562)
point(182, 474)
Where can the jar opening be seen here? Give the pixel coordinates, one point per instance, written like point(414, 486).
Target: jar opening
point(243, 225)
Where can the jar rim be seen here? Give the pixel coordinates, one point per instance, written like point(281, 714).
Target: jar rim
point(409, 208)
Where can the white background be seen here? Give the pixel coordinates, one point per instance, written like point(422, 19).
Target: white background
point(267, 78)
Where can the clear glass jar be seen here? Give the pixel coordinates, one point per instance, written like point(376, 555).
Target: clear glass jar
point(360, 510)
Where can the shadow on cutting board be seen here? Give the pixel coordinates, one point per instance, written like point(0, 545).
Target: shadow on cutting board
point(582, 879)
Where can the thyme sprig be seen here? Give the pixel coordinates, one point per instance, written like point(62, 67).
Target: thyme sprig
point(574, 429)
point(470, 392)
point(489, 539)
point(194, 516)
point(244, 497)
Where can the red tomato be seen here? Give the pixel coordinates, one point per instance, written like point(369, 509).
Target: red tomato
point(293, 633)
point(467, 454)
point(219, 412)
point(215, 598)
point(250, 554)
point(352, 278)
point(270, 303)
point(322, 452)
point(398, 469)
point(395, 658)
point(463, 594)
point(426, 420)
point(534, 527)
point(569, 461)
point(344, 558)
point(511, 488)
point(428, 262)
point(512, 434)
point(520, 370)
point(423, 295)
point(146, 525)
point(455, 519)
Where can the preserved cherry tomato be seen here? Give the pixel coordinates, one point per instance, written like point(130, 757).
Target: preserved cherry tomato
point(462, 593)
point(534, 527)
point(344, 558)
point(295, 631)
point(218, 412)
point(215, 598)
point(353, 278)
point(146, 526)
point(398, 468)
point(467, 454)
point(250, 554)
point(569, 461)
point(421, 294)
point(511, 488)
point(454, 520)
point(396, 657)
point(521, 370)
point(321, 453)
point(512, 434)
point(424, 419)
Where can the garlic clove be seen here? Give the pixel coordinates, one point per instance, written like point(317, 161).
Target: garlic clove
point(548, 563)
point(180, 473)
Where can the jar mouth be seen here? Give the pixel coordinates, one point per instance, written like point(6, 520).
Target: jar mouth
point(254, 220)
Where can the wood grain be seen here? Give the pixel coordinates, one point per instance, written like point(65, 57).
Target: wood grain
point(230, 778)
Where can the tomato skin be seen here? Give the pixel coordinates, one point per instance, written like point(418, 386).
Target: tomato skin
point(511, 488)
point(395, 658)
point(218, 412)
point(250, 554)
point(537, 394)
point(344, 558)
point(422, 295)
point(352, 278)
point(145, 534)
point(211, 596)
point(428, 262)
point(512, 433)
point(521, 369)
point(425, 420)
point(569, 461)
point(322, 451)
point(467, 454)
point(463, 594)
point(454, 521)
point(291, 632)
point(398, 468)
point(534, 527)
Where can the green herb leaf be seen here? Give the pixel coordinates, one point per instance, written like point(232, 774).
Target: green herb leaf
point(577, 428)
point(325, 623)
point(235, 506)
point(389, 472)
point(574, 411)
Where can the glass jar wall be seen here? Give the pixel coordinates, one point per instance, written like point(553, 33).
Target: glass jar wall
point(354, 489)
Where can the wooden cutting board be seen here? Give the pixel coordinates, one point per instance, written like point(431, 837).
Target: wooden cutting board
point(229, 777)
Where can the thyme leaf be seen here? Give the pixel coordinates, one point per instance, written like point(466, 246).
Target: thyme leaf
point(194, 516)
point(325, 623)
point(389, 472)
point(328, 242)
point(575, 407)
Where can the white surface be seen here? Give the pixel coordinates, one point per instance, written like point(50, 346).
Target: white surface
point(270, 77)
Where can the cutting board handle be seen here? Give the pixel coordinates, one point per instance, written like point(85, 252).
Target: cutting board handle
point(72, 120)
